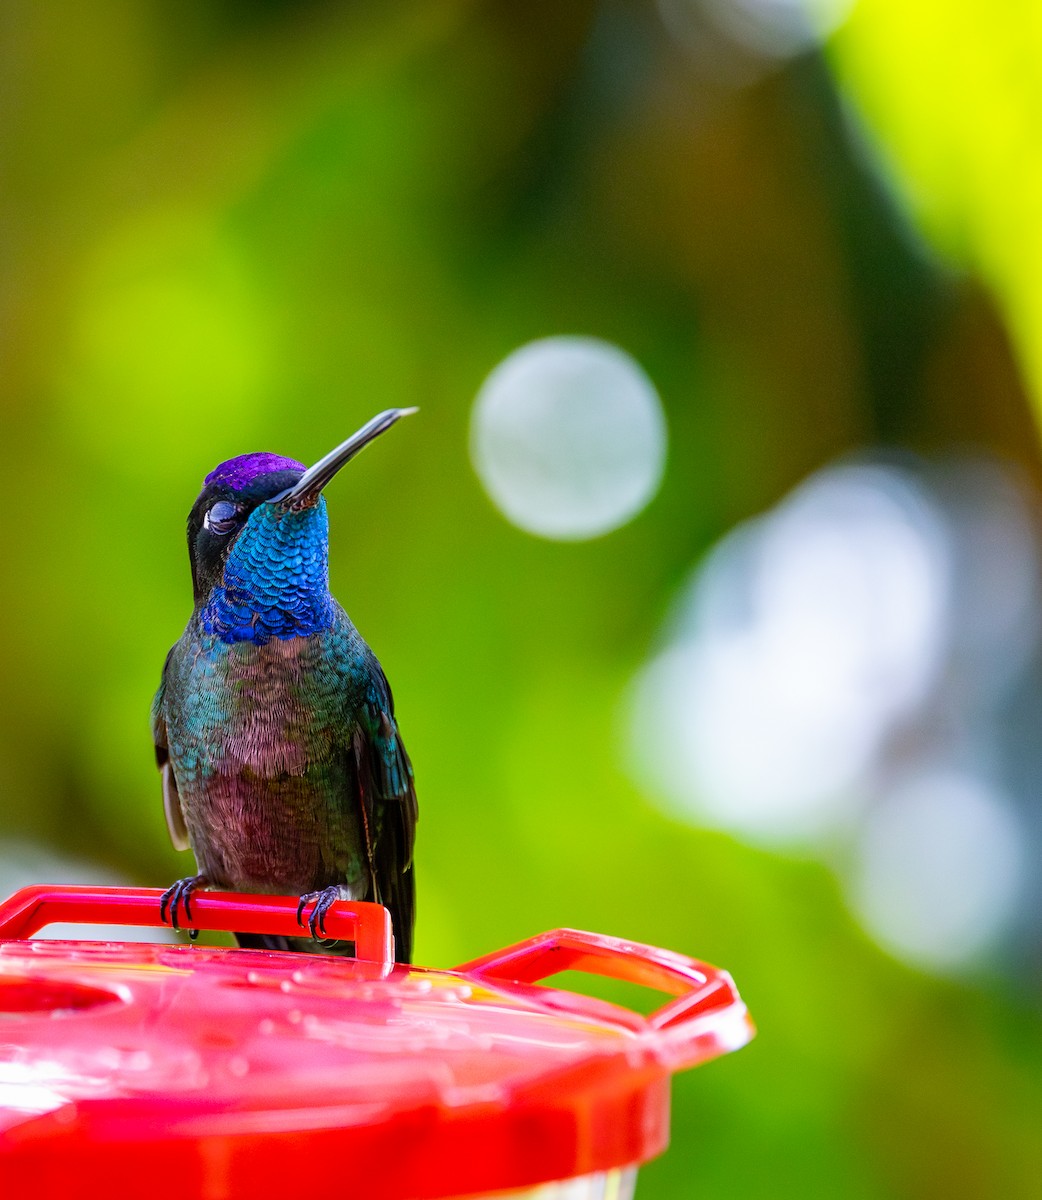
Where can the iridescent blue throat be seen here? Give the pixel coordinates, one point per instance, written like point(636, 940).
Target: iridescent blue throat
point(276, 578)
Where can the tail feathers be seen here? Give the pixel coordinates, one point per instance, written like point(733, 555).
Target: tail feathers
point(306, 945)
point(263, 941)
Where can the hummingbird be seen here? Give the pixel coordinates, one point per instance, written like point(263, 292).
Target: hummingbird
point(274, 727)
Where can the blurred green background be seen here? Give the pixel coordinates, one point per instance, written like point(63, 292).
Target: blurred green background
point(236, 225)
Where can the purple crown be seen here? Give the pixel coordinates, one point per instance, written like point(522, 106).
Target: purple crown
point(238, 473)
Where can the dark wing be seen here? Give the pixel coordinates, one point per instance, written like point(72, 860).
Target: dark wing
point(388, 798)
point(175, 821)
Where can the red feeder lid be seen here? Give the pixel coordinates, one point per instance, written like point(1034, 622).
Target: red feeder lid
point(217, 1072)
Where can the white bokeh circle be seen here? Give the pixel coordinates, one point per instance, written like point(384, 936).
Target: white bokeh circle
point(939, 869)
point(569, 438)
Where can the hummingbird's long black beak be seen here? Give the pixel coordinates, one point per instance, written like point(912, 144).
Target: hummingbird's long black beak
point(307, 488)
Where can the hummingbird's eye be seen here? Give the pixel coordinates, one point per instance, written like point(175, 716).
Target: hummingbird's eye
point(222, 517)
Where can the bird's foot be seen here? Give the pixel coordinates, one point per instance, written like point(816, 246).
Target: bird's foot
point(179, 894)
point(324, 900)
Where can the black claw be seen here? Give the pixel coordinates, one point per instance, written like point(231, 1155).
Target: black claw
point(323, 907)
point(168, 904)
point(177, 894)
point(315, 918)
point(316, 921)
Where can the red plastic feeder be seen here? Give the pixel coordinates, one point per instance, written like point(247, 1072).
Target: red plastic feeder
point(177, 1071)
